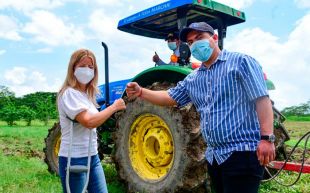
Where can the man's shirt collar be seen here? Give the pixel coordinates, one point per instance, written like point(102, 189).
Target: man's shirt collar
point(221, 57)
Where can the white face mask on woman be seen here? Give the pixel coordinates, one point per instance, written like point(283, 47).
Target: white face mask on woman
point(84, 74)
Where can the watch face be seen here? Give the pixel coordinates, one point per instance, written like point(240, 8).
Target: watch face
point(272, 138)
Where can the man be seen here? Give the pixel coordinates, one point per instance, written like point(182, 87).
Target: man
point(173, 43)
point(229, 92)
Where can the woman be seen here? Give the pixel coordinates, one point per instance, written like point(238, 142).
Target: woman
point(76, 101)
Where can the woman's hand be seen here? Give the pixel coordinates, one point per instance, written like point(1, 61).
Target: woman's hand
point(118, 105)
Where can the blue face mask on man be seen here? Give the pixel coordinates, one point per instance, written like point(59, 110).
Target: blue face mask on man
point(201, 50)
point(172, 45)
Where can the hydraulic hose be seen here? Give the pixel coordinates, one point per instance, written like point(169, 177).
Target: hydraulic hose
point(307, 136)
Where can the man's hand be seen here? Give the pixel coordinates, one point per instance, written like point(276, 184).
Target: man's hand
point(155, 58)
point(118, 105)
point(265, 152)
point(133, 90)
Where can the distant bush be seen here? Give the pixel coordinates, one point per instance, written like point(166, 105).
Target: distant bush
point(297, 118)
point(10, 114)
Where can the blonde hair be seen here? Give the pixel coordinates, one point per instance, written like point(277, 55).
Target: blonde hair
point(71, 81)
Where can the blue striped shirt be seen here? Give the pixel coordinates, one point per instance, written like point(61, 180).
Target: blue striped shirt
point(224, 95)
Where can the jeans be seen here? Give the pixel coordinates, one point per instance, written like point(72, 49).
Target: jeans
point(240, 173)
point(97, 182)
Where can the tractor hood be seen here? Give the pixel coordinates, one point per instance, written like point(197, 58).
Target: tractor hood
point(158, 21)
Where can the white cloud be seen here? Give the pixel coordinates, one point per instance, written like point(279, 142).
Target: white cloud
point(23, 5)
point(102, 23)
point(37, 76)
point(302, 3)
point(51, 30)
point(285, 63)
point(17, 75)
point(240, 4)
point(109, 3)
point(2, 52)
point(24, 81)
point(9, 28)
point(27, 6)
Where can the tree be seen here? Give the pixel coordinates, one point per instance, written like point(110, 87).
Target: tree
point(5, 96)
point(10, 113)
point(300, 110)
point(27, 114)
point(5, 92)
point(39, 105)
point(45, 110)
point(43, 103)
point(8, 110)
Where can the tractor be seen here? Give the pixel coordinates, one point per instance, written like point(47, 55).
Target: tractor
point(160, 149)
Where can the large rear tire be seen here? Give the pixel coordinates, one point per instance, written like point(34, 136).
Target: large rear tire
point(52, 145)
point(160, 149)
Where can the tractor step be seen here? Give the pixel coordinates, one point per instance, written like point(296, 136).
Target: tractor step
point(290, 166)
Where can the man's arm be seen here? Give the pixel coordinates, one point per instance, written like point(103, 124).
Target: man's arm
point(265, 150)
point(158, 61)
point(162, 98)
point(161, 63)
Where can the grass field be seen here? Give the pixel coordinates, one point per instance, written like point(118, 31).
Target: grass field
point(22, 168)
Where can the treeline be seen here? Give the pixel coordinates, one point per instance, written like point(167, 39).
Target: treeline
point(42, 106)
point(297, 113)
point(302, 110)
point(39, 105)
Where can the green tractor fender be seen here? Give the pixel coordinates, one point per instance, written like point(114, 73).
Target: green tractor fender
point(161, 74)
point(172, 73)
point(270, 85)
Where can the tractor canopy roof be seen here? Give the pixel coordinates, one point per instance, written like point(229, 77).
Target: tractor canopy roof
point(162, 19)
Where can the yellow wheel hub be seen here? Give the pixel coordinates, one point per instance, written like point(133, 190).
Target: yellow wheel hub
point(150, 147)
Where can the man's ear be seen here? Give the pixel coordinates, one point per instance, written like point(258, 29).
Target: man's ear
point(215, 37)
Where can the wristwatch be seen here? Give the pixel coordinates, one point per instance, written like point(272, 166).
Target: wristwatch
point(271, 138)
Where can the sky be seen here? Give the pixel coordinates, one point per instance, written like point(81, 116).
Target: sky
point(37, 38)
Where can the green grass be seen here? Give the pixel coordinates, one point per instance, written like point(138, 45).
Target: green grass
point(296, 130)
point(286, 177)
point(21, 157)
point(22, 168)
point(293, 142)
point(21, 174)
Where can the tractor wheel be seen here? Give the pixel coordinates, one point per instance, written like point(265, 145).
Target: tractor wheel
point(52, 145)
point(160, 149)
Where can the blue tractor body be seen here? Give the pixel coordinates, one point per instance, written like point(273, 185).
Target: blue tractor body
point(116, 90)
